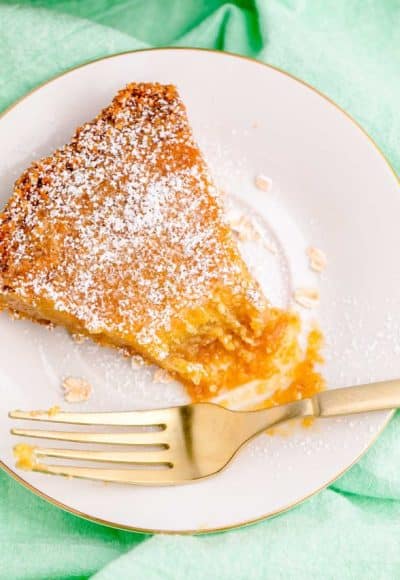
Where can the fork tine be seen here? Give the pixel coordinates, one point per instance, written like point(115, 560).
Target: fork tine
point(133, 476)
point(132, 457)
point(139, 438)
point(156, 417)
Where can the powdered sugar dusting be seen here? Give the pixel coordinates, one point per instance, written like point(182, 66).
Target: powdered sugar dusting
point(121, 228)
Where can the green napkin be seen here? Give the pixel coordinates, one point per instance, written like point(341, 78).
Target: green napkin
point(349, 49)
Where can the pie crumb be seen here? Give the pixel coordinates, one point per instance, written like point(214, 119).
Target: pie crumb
point(161, 376)
point(307, 297)
point(137, 361)
point(76, 389)
point(263, 183)
point(25, 456)
point(244, 229)
point(317, 259)
point(14, 314)
point(50, 412)
point(78, 338)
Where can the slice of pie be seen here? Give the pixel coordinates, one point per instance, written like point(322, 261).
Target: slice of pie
point(120, 236)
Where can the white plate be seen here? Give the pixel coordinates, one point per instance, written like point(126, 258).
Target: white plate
point(331, 188)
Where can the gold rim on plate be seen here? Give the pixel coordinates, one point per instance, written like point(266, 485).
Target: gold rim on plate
point(112, 524)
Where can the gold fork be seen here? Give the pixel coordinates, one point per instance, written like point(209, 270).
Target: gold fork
point(182, 444)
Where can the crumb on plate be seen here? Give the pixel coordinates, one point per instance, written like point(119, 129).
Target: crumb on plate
point(78, 338)
point(25, 456)
point(50, 412)
point(244, 229)
point(263, 182)
point(137, 361)
point(162, 376)
point(307, 297)
point(76, 389)
point(317, 259)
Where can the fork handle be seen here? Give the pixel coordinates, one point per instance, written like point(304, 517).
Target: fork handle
point(371, 397)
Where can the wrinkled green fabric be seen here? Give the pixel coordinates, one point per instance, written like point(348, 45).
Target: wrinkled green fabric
point(349, 49)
